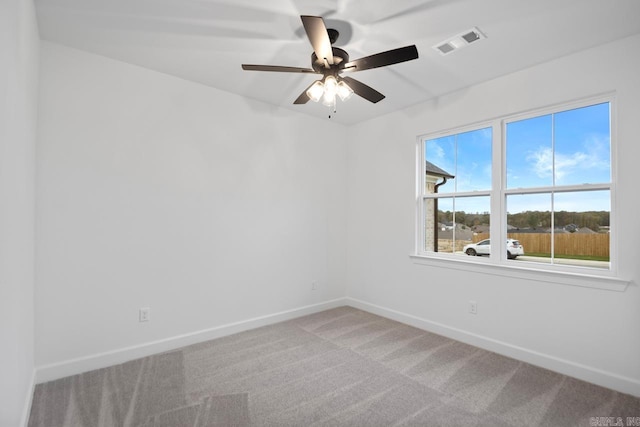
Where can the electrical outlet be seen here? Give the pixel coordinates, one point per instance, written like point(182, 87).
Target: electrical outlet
point(473, 307)
point(314, 285)
point(144, 314)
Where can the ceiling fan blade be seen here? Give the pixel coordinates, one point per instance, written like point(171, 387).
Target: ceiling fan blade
point(361, 89)
point(318, 36)
point(383, 59)
point(277, 68)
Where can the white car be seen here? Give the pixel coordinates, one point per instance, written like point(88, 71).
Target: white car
point(483, 247)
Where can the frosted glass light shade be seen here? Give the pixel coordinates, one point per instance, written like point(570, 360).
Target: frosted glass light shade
point(315, 91)
point(344, 91)
point(330, 86)
point(329, 99)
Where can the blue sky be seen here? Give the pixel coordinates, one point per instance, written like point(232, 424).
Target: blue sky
point(572, 147)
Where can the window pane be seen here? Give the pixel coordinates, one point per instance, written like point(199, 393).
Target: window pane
point(581, 228)
point(529, 222)
point(530, 153)
point(463, 159)
point(473, 161)
point(582, 145)
point(472, 220)
point(440, 156)
point(459, 221)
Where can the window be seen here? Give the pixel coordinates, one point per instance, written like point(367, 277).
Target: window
point(457, 188)
point(541, 183)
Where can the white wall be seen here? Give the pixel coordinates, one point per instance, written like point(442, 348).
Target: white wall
point(157, 192)
point(18, 108)
point(589, 333)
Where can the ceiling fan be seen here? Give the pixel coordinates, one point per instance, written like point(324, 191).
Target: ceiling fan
point(332, 61)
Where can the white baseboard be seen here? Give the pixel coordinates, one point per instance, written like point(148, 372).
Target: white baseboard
point(102, 360)
point(26, 410)
point(576, 370)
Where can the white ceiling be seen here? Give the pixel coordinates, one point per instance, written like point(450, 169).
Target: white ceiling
point(206, 41)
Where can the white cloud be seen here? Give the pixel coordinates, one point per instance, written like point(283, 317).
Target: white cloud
point(542, 161)
point(434, 151)
point(595, 155)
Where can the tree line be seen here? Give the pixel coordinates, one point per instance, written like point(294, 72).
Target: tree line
point(532, 219)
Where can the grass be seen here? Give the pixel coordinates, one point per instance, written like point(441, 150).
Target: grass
point(582, 257)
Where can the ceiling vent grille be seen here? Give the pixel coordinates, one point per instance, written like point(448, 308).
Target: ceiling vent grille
point(446, 48)
point(459, 41)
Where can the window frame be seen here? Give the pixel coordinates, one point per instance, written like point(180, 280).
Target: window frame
point(421, 165)
point(497, 262)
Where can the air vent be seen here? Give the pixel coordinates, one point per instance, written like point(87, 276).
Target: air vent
point(459, 41)
point(445, 48)
point(471, 36)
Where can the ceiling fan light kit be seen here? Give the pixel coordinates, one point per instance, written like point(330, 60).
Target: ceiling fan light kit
point(331, 62)
point(328, 89)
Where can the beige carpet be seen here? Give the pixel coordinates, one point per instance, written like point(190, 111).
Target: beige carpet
point(341, 367)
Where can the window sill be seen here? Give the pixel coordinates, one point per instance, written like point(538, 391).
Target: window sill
point(528, 273)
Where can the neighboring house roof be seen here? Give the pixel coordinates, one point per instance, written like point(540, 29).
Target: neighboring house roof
point(461, 234)
point(557, 230)
point(529, 230)
point(432, 169)
point(585, 230)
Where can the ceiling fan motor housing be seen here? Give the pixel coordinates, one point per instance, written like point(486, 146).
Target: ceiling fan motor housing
point(340, 57)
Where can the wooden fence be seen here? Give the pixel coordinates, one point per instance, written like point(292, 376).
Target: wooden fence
point(596, 244)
